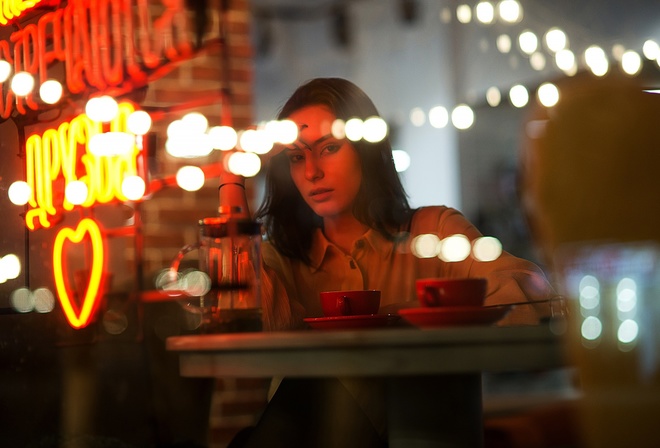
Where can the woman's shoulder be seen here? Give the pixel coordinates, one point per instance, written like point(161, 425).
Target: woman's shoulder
point(441, 220)
point(430, 215)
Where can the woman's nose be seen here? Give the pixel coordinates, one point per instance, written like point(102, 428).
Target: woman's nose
point(312, 169)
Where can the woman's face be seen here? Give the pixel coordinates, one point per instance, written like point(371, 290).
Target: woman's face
point(326, 170)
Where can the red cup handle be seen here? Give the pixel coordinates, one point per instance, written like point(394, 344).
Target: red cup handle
point(343, 306)
point(431, 297)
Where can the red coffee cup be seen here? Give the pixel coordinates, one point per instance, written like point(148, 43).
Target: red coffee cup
point(350, 303)
point(433, 292)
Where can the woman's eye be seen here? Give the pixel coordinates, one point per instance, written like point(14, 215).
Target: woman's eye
point(295, 158)
point(331, 148)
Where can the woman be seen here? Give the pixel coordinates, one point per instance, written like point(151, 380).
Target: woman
point(337, 218)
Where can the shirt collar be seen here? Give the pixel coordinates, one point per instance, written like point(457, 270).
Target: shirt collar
point(321, 245)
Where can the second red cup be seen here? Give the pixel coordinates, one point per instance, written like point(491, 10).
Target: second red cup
point(350, 303)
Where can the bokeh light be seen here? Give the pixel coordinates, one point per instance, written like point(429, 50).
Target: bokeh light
point(537, 61)
point(485, 12)
point(195, 123)
point(103, 108)
point(19, 192)
point(223, 138)
point(190, 178)
point(628, 331)
point(50, 91)
point(111, 143)
point(133, 188)
point(528, 42)
point(426, 245)
point(519, 96)
point(76, 192)
point(626, 296)
point(503, 43)
point(486, 248)
point(354, 129)
point(455, 248)
point(282, 131)
point(565, 60)
point(338, 129)
point(493, 96)
point(22, 300)
point(22, 83)
point(651, 49)
point(510, 11)
point(589, 292)
point(591, 328)
point(195, 283)
point(5, 70)
point(44, 300)
point(417, 117)
point(464, 13)
point(246, 164)
point(189, 145)
point(438, 117)
point(596, 60)
point(462, 117)
point(374, 129)
point(548, 94)
point(401, 160)
point(631, 62)
point(255, 140)
point(139, 122)
point(555, 40)
point(10, 266)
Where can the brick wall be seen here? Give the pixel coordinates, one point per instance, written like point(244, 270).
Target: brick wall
point(170, 216)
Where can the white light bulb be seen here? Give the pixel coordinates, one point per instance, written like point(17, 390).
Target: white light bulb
point(5, 70)
point(22, 83)
point(76, 192)
point(462, 117)
point(139, 122)
point(19, 192)
point(195, 122)
point(50, 91)
point(223, 138)
point(103, 109)
point(133, 187)
point(375, 129)
point(190, 178)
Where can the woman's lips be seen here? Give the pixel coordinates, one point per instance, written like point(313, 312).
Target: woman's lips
point(320, 194)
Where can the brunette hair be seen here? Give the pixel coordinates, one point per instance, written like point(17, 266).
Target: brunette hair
point(381, 202)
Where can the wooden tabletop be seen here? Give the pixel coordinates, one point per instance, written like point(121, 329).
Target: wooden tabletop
point(368, 352)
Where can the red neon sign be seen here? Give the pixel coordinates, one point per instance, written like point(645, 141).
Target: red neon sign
point(79, 316)
point(97, 41)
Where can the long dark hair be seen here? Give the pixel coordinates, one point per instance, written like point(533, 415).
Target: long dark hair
point(381, 203)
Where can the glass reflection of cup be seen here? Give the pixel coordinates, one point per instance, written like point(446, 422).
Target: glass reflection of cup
point(229, 260)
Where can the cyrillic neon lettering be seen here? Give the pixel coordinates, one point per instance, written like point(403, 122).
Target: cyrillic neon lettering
point(63, 153)
point(96, 41)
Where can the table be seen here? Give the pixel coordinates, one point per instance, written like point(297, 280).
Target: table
point(433, 375)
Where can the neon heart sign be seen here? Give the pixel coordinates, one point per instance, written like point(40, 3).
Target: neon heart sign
point(79, 316)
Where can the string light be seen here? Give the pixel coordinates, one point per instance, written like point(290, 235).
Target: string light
point(102, 109)
point(139, 122)
point(22, 83)
point(50, 91)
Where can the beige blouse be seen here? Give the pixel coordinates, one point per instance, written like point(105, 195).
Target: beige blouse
point(291, 288)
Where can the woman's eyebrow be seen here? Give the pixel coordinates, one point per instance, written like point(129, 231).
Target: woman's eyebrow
point(301, 144)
